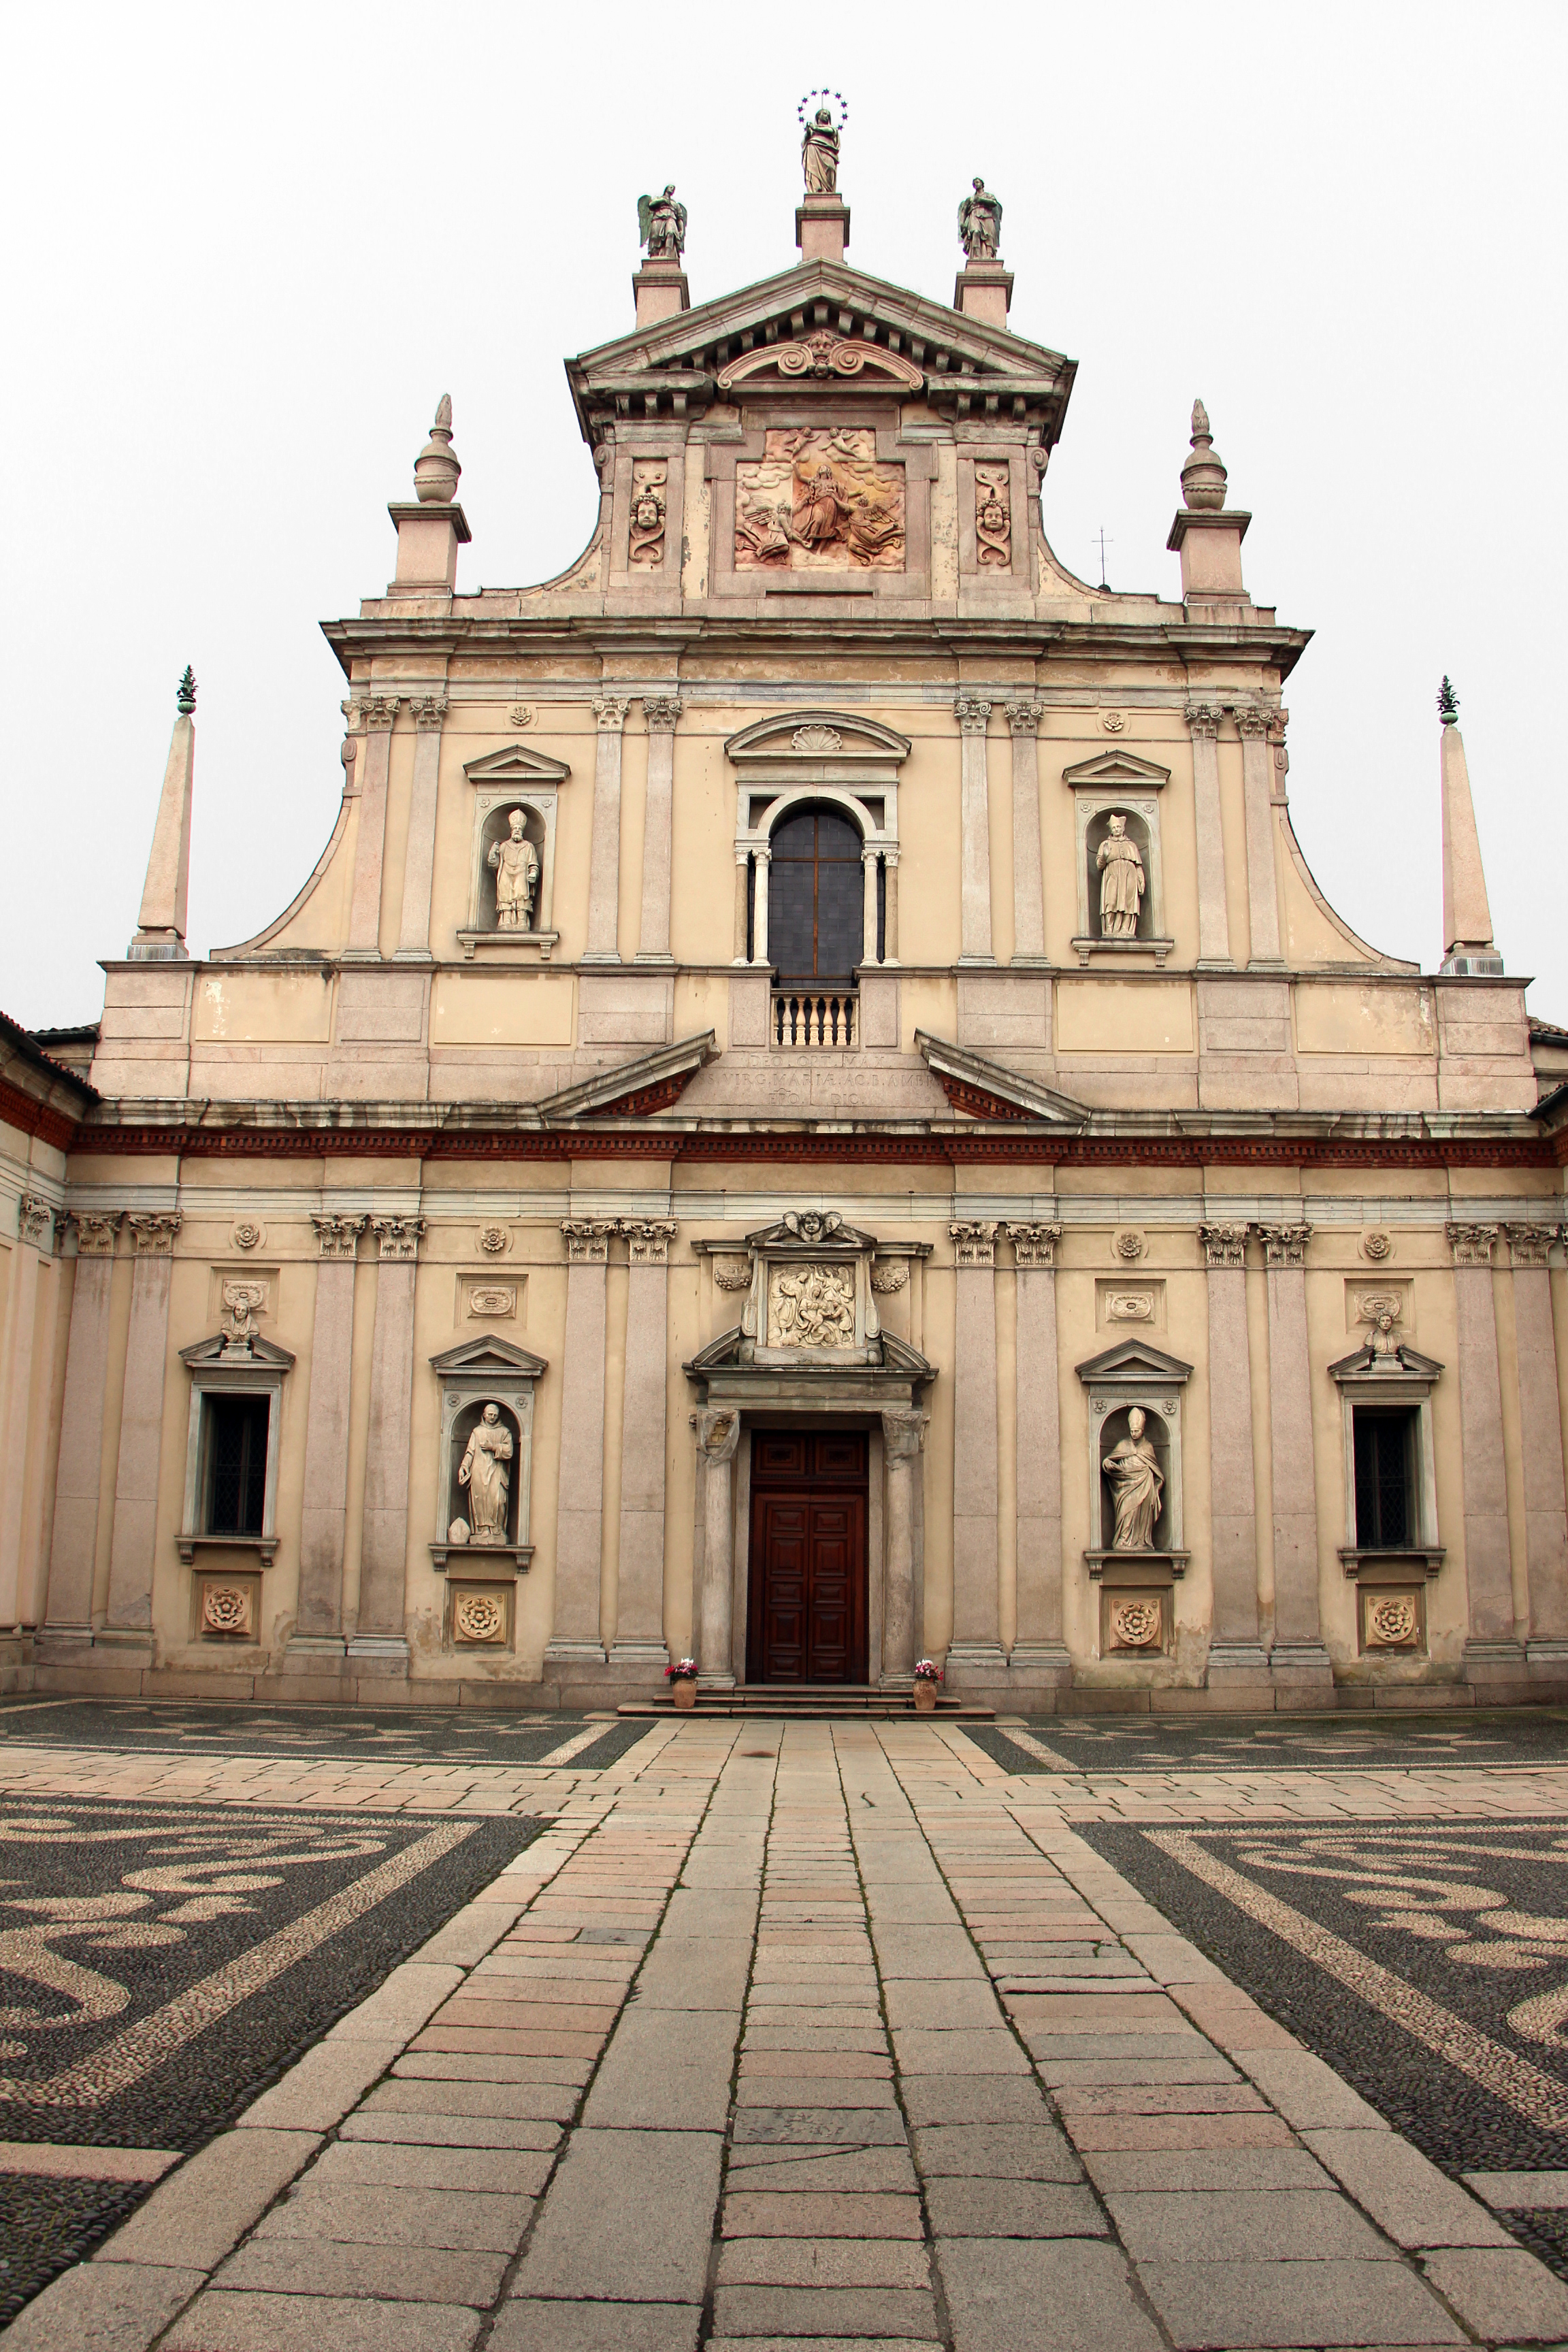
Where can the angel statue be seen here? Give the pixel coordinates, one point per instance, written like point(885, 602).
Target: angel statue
point(661, 226)
point(980, 224)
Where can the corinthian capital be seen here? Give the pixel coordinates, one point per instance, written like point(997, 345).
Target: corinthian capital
point(1204, 719)
point(1285, 1244)
point(1223, 1244)
point(379, 710)
point(1528, 1244)
point(662, 712)
point(152, 1232)
point(588, 1239)
point(1023, 717)
point(95, 1230)
point(1035, 1245)
point(398, 1238)
point(974, 1244)
point(972, 715)
point(1473, 1245)
point(33, 1217)
point(428, 710)
point(610, 711)
point(337, 1236)
point(648, 1239)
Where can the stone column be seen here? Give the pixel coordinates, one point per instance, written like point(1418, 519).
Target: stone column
point(890, 906)
point(370, 849)
point(1541, 1434)
point(868, 907)
point(419, 858)
point(1301, 1664)
point(639, 1611)
point(661, 711)
point(580, 1518)
point(1236, 1652)
point(323, 1519)
point(1038, 1651)
point(742, 904)
point(1257, 791)
point(130, 1617)
point(718, 1437)
point(1493, 1642)
point(604, 857)
point(73, 1546)
point(976, 1652)
point(973, 717)
point(903, 1542)
point(1028, 877)
point(763, 859)
point(1214, 918)
point(379, 1643)
point(35, 1236)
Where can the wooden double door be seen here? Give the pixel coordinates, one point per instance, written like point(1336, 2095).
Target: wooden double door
point(805, 1620)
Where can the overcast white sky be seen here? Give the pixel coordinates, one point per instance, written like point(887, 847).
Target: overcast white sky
point(249, 249)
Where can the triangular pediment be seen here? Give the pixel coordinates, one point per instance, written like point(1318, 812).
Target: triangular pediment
point(1118, 770)
point(893, 342)
point(1132, 1360)
point(1366, 1363)
point(634, 1089)
point(501, 1357)
point(985, 1089)
point(515, 764)
point(264, 1354)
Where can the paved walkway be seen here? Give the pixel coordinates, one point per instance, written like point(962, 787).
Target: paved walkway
point(809, 2036)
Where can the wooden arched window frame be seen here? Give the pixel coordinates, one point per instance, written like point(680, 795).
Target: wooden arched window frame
point(816, 898)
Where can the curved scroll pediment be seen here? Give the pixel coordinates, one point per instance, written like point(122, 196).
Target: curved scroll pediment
point(825, 358)
point(817, 735)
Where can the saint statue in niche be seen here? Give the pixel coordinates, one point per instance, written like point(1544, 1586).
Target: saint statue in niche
point(819, 155)
point(484, 1473)
point(1137, 1481)
point(515, 864)
point(1121, 883)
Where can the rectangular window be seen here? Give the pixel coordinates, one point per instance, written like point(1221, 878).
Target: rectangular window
point(1385, 1478)
point(235, 1481)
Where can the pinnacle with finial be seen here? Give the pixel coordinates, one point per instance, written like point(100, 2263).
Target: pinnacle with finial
point(1200, 420)
point(1447, 705)
point(185, 693)
point(444, 411)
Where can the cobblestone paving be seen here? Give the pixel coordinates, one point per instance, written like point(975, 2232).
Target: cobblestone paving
point(822, 2035)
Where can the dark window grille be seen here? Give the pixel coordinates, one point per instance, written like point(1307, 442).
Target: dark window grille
point(816, 903)
point(236, 1464)
point(1384, 1479)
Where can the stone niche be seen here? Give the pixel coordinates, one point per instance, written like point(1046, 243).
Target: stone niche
point(486, 1423)
point(1117, 784)
point(515, 778)
point(1137, 1602)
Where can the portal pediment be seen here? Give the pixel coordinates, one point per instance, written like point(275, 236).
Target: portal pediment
point(815, 735)
point(516, 766)
point(1130, 1363)
point(500, 1359)
point(1116, 772)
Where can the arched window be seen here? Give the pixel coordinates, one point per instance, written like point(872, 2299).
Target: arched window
point(815, 898)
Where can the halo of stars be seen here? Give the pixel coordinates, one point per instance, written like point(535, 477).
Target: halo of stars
point(812, 96)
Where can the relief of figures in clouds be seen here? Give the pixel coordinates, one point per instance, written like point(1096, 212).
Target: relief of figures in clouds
point(817, 501)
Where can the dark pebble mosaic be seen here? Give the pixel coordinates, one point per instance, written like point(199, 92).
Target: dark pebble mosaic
point(334, 1734)
point(1248, 1744)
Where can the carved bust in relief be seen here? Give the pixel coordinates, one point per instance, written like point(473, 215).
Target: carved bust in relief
point(1121, 882)
point(515, 864)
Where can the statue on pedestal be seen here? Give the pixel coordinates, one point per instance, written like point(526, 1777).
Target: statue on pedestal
point(484, 1473)
point(661, 226)
point(515, 864)
point(1121, 883)
point(980, 224)
point(819, 155)
point(1137, 1482)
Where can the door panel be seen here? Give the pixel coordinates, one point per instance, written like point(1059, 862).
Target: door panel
point(808, 1567)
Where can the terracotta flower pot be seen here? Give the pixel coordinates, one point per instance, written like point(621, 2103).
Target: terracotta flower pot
point(683, 1692)
point(925, 1698)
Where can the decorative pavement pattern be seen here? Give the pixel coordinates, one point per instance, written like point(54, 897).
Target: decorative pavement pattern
point(431, 1734)
point(1142, 1744)
point(796, 2038)
point(159, 1964)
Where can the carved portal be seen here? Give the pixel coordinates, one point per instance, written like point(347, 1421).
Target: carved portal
point(819, 500)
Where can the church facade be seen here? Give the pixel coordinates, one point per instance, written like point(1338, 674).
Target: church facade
point(809, 1114)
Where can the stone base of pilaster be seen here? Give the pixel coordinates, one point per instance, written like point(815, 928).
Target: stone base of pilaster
point(17, 1659)
point(572, 1656)
point(124, 1645)
point(1302, 1675)
point(1237, 1667)
point(1489, 1661)
point(378, 1653)
point(639, 1657)
point(978, 1670)
point(308, 1649)
point(1037, 1671)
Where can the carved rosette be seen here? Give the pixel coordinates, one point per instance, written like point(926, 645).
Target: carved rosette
point(428, 710)
point(1023, 717)
point(1392, 1621)
point(1223, 1244)
point(648, 1239)
point(974, 1244)
point(1284, 1245)
point(661, 712)
point(34, 1220)
point(246, 1235)
point(338, 1237)
point(1128, 1246)
point(1528, 1244)
point(1035, 1245)
point(1136, 1624)
point(95, 1232)
point(993, 516)
point(152, 1232)
point(478, 1617)
point(610, 712)
point(1204, 719)
point(588, 1239)
point(973, 716)
point(228, 1608)
point(379, 711)
point(1472, 1244)
point(1377, 1246)
point(398, 1238)
point(494, 1240)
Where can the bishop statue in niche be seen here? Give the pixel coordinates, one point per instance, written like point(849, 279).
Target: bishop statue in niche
point(818, 499)
point(484, 1473)
point(1137, 1482)
point(1121, 882)
point(514, 862)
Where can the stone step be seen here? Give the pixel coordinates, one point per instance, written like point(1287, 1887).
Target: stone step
point(811, 1701)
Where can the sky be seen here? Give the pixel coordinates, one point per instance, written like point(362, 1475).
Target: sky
point(249, 250)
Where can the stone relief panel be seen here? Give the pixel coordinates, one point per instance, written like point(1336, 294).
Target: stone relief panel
point(1120, 1304)
point(650, 492)
point(228, 1608)
point(811, 1306)
point(1392, 1621)
point(480, 1617)
point(483, 1299)
point(1133, 1621)
point(992, 517)
point(818, 500)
